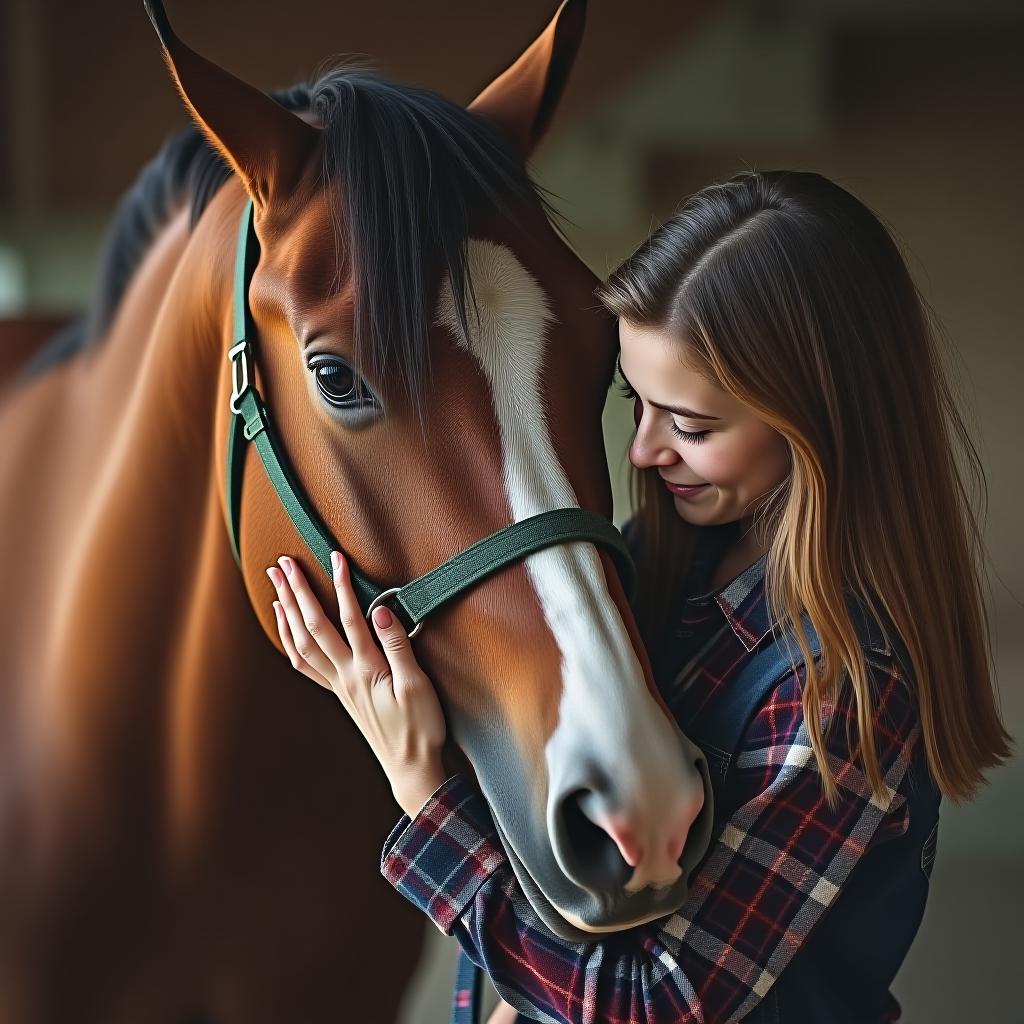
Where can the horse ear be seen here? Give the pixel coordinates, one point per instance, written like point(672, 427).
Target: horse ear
point(522, 100)
point(266, 145)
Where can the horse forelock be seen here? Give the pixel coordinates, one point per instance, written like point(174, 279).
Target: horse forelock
point(413, 171)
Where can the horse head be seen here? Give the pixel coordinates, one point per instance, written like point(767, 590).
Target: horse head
point(435, 365)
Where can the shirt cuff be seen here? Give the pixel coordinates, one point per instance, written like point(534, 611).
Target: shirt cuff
point(440, 858)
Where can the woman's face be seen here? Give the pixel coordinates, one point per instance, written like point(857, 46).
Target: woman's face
point(721, 456)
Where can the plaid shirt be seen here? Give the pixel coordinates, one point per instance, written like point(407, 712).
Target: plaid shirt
point(779, 863)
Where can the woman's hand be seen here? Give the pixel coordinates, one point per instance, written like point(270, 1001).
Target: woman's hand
point(503, 1014)
point(386, 692)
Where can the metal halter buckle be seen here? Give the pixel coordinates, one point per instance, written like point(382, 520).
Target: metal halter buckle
point(381, 598)
point(237, 355)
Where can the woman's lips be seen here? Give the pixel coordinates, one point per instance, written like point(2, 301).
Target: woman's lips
point(682, 491)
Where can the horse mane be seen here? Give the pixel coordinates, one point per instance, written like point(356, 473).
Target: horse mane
point(411, 169)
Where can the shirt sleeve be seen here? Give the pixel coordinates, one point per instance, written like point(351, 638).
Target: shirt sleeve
point(778, 864)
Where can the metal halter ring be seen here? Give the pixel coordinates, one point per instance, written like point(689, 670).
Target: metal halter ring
point(381, 598)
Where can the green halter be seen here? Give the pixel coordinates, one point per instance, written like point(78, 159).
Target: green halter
point(416, 600)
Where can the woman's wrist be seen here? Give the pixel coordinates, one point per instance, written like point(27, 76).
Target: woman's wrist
point(417, 785)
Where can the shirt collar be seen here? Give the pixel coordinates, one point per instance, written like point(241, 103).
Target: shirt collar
point(742, 599)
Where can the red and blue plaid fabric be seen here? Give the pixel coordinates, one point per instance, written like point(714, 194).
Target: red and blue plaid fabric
point(778, 865)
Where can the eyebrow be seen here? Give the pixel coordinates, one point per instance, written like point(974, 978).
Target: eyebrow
point(677, 409)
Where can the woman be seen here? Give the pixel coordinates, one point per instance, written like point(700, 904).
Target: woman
point(794, 456)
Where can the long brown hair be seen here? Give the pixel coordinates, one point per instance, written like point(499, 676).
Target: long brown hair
point(791, 296)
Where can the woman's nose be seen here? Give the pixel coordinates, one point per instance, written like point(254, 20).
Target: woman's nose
point(646, 450)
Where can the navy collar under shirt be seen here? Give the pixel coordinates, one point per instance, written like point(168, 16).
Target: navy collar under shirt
point(704, 615)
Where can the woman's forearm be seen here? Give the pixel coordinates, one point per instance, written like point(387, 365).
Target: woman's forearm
point(460, 877)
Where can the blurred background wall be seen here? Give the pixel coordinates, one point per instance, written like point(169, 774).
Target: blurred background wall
point(917, 107)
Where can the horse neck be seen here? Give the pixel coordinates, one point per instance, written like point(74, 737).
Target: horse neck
point(146, 491)
point(135, 649)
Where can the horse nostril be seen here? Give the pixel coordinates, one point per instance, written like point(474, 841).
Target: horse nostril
point(592, 858)
point(609, 844)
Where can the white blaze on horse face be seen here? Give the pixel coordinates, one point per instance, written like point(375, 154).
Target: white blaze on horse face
point(609, 727)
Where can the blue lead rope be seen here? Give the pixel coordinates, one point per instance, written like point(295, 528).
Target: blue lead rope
point(467, 992)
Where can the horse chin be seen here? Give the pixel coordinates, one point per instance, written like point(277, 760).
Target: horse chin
point(570, 907)
point(577, 914)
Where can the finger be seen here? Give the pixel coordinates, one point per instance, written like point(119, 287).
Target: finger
point(308, 642)
point(353, 622)
point(396, 643)
point(317, 622)
point(285, 634)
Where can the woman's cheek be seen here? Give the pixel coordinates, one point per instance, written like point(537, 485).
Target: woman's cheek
point(717, 462)
point(759, 462)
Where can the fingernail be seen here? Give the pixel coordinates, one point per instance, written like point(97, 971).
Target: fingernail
point(382, 616)
point(270, 573)
point(335, 561)
point(287, 563)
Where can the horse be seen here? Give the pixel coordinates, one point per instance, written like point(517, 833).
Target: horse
point(191, 833)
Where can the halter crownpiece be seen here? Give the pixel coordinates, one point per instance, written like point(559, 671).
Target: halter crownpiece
point(250, 421)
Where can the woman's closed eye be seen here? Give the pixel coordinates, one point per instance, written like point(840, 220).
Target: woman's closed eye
point(625, 389)
point(693, 436)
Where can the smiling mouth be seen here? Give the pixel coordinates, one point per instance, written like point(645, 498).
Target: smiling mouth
point(683, 489)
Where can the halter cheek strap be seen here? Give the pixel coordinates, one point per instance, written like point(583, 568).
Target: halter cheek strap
point(251, 422)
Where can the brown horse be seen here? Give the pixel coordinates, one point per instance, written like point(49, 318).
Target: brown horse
point(188, 832)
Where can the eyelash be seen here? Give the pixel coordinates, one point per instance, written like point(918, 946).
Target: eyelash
point(693, 437)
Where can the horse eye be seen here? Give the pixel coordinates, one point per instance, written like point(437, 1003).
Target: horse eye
point(339, 385)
